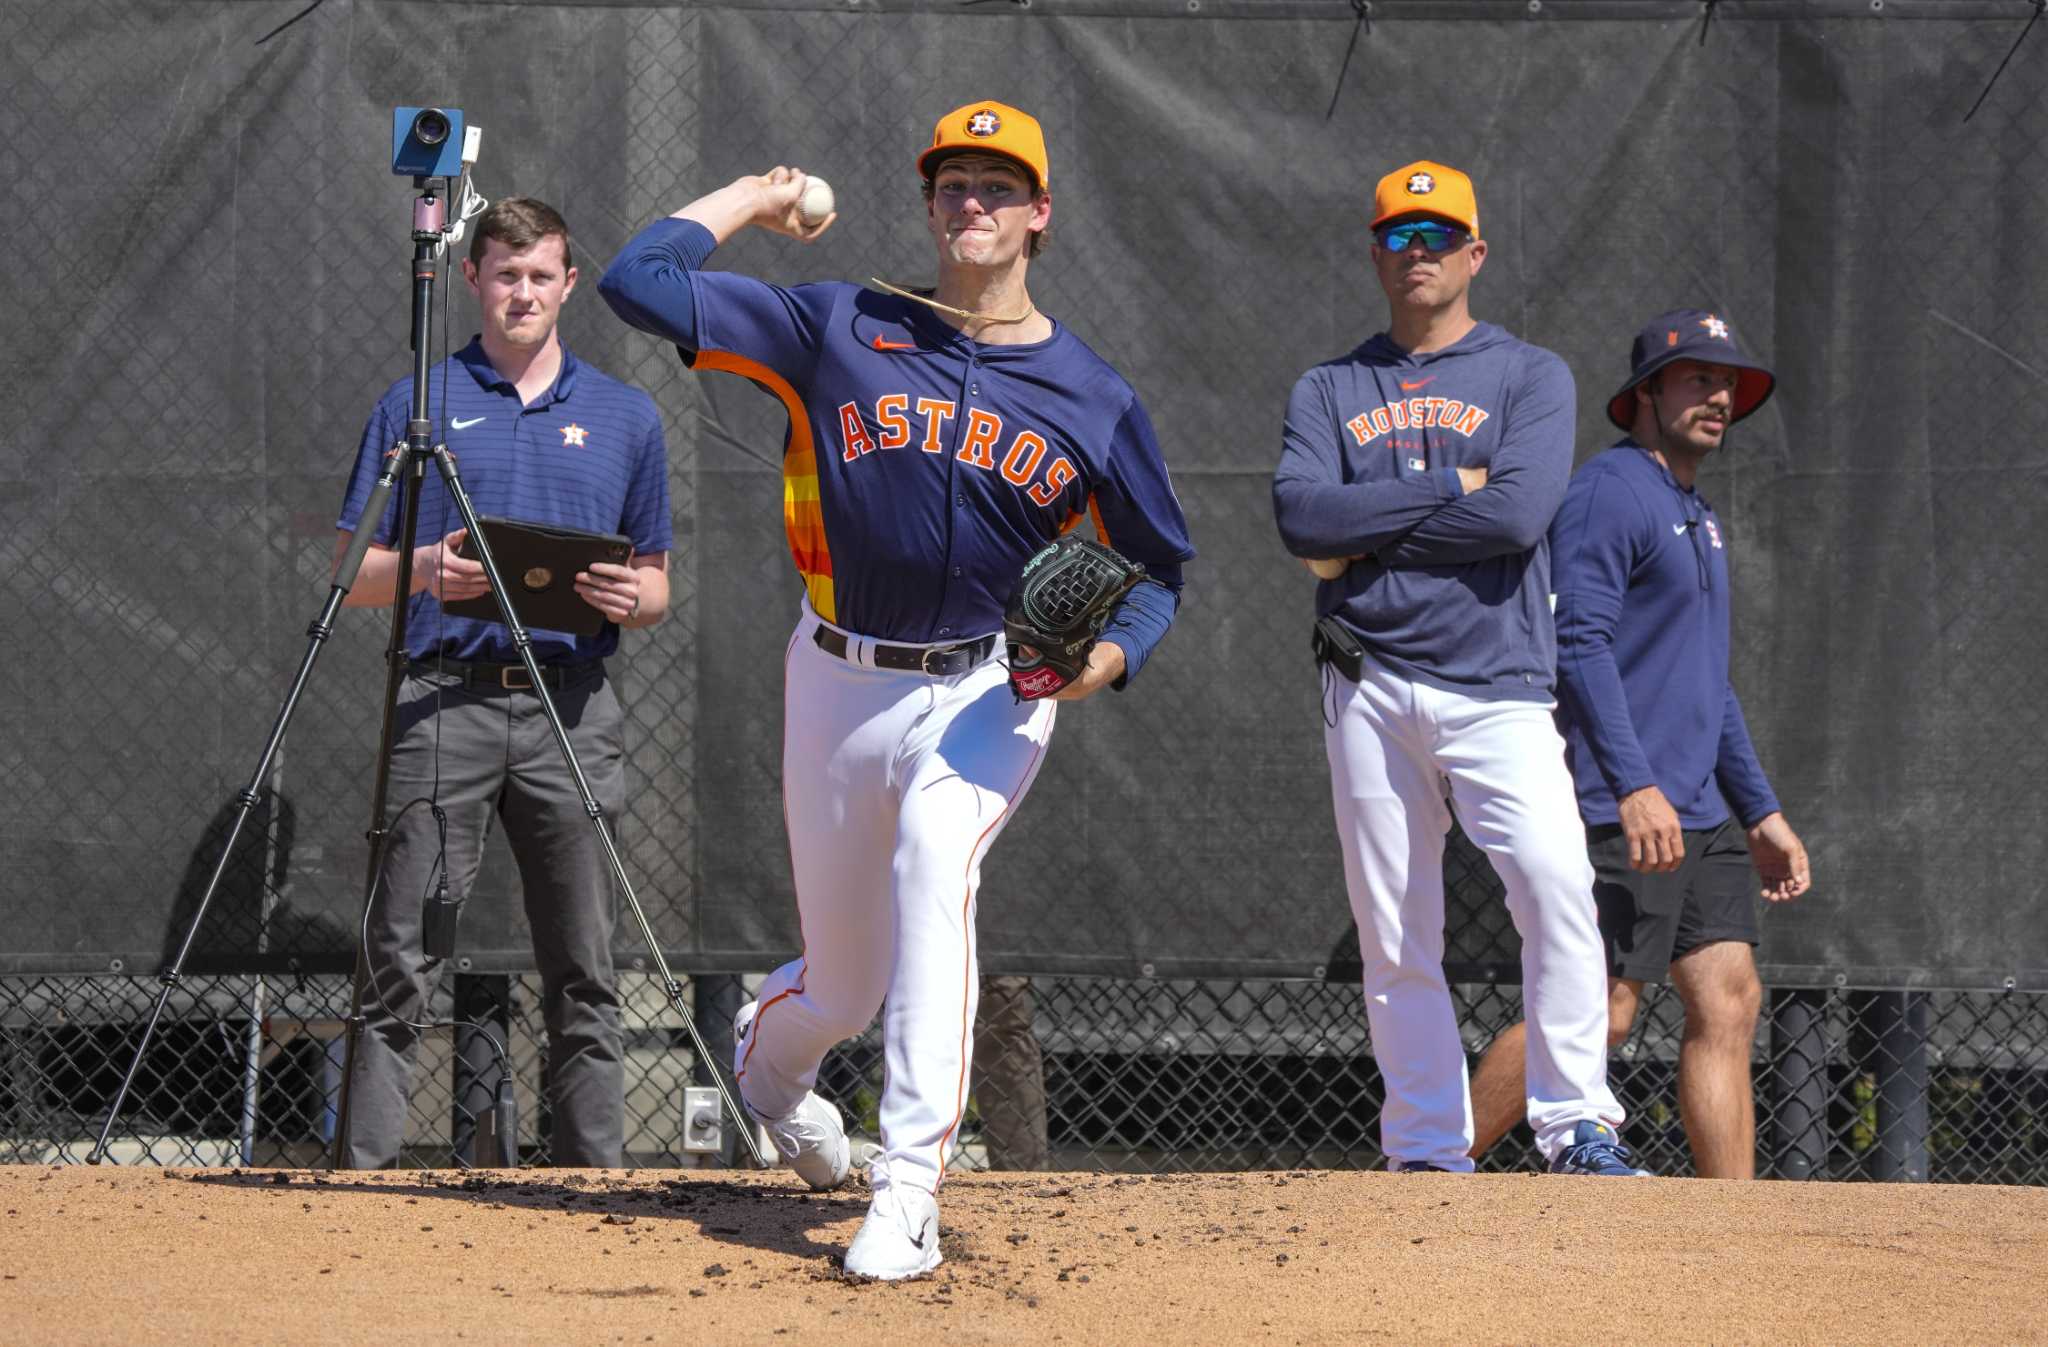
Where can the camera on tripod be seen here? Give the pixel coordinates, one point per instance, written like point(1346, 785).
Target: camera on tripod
point(427, 142)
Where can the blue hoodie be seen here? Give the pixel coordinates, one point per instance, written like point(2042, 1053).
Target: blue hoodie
point(1455, 590)
point(1642, 633)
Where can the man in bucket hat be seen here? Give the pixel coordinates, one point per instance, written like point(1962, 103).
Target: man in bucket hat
point(1655, 737)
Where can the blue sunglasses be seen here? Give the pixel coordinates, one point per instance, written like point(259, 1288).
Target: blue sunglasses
point(1435, 235)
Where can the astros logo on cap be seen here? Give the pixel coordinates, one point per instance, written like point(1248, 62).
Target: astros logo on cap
point(1716, 329)
point(987, 126)
point(1426, 188)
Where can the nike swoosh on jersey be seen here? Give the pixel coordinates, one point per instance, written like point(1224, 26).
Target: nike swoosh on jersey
point(1678, 528)
point(1407, 387)
point(461, 424)
point(882, 344)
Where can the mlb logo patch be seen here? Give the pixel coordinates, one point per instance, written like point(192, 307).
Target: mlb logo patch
point(1713, 534)
point(1418, 465)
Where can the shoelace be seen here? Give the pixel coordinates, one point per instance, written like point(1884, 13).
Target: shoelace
point(1585, 1152)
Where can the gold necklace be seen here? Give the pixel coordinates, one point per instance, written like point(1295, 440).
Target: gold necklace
point(968, 314)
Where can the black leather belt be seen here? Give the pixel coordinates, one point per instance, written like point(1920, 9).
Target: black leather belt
point(942, 661)
point(506, 677)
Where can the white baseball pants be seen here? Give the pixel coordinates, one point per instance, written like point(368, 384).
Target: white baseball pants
point(1393, 746)
point(894, 786)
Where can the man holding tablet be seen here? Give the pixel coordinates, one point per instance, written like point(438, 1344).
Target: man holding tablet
point(542, 438)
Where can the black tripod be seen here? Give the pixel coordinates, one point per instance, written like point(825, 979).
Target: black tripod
point(408, 461)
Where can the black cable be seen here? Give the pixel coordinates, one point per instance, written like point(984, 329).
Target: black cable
point(1363, 9)
point(441, 437)
point(2039, 5)
point(439, 867)
point(289, 22)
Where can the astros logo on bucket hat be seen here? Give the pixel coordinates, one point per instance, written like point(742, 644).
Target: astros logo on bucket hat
point(1691, 334)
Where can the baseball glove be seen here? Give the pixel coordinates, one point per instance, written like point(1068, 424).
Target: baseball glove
point(1066, 593)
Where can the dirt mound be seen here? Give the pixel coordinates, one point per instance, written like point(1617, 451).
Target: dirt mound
point(553, 1256)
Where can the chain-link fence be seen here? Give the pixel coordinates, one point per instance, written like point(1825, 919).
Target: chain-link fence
point(1083, 1073)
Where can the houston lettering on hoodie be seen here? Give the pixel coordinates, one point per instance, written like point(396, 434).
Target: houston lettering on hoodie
point(1453, 586)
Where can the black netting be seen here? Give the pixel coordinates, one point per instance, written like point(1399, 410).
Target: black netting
point(210, 289)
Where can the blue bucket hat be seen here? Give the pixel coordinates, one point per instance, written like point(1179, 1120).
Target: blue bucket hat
point(1691, 334)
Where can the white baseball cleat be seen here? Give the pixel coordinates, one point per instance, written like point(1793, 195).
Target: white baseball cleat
point(900, 1237)
point(810, 1138)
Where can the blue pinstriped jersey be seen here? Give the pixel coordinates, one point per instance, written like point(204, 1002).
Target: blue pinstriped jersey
point(588, 453)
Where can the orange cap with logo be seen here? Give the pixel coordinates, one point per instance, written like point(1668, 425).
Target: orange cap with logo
point(990, 128)
point(1426, 187)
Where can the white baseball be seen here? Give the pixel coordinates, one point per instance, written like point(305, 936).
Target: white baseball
point(815, 205)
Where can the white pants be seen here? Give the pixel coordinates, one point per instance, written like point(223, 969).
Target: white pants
point(1393, 746)
point(894, 786)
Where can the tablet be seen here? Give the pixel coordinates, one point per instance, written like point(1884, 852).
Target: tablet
point(540, 563)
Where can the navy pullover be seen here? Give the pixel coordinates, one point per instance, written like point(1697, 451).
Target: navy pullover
point(1454, 591)
point(1642, 634)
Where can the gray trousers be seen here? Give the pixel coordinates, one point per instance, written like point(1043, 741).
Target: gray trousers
point(497, 756)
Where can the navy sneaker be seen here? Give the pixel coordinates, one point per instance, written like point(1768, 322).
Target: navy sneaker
point(1594, 1149)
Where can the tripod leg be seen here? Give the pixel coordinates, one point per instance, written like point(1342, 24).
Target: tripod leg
point(317, 633)
point(410, 458)
point(524, 644)
point(411, 461)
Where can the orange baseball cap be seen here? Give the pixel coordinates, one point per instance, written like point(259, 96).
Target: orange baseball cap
point(1426, 187)
point(989, 128)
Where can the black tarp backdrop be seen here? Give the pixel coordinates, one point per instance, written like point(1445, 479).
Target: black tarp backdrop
point(208, 288)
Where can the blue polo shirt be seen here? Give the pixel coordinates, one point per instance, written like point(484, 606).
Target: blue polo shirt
point(588, 453)
point(1641, 567)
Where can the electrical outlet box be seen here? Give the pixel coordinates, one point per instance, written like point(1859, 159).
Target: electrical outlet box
point(703, 1123)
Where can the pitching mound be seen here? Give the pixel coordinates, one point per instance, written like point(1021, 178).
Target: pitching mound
point(219, 1257)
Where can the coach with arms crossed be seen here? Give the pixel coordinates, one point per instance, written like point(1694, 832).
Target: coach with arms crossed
point(542, 437)
point(1656, 740)
point(1418, 476)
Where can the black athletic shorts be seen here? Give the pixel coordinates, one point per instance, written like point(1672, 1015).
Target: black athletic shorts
point(1647, 921)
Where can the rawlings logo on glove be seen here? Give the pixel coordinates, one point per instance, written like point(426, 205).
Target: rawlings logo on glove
point(1067, 592)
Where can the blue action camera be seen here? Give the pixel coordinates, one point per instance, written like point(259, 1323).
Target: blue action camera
point(426, 142)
